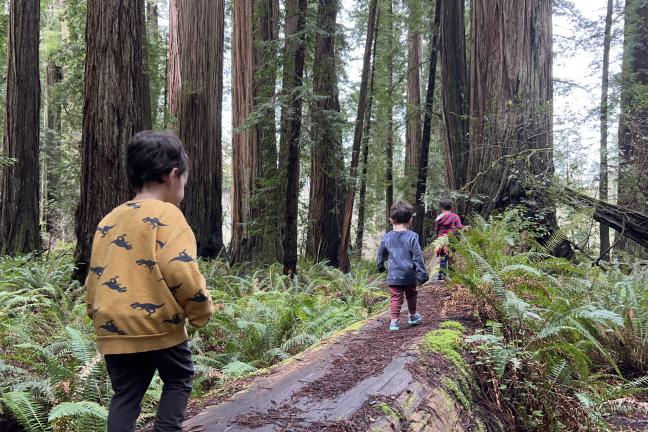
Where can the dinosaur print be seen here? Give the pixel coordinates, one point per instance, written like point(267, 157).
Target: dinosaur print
point(154, 222)
point(174, 289)
point(160, 243)
point(122, 243)
point(199, 297)
point(175, 319)
point(111, 327)
point(146, 263)
point(149, 308)
point(104, 230)
point(98, 271)
point(183, 257)
point(113, 284)
point(133, 205)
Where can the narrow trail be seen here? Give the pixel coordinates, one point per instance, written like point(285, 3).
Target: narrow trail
point(337, 385)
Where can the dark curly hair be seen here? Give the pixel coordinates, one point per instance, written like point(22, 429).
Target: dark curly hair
point(445, 204)
point(151, 155)
point(401, 212)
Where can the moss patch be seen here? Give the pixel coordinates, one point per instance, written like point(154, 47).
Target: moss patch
point(452, 325)
point(446, 342)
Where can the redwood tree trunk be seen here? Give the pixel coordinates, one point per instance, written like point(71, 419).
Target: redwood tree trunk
point(455, 91)
point(633, 122)
point(343, 253)
point(19, 183)
point(421, 182)
point(293, 72)
point(365, 149)
point(255, 213)
point(116, 106)
point(511, 152)
point(52, 124)
point(389, 175)
point(413, 111)
point(196, 89)
point(604, 230)
point(327, 161)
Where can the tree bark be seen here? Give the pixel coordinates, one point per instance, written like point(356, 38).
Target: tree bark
point(421, 182)
point(343, 253)
point(291, 115)
point(511, 151)
point(389, 175)
point(255, 213)
point(455, 91)
point(327, 161)
point(633, 121)
point(19, 183)
point(365, 148)
point(196, 89)
point(413, 111)
point(116, 107)
point(604, 231)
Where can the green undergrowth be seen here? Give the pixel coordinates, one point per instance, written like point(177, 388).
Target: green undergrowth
point(564, 340)
point(53, 379)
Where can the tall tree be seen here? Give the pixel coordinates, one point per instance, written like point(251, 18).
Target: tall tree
point(293, 72)
point(633, 122)
point(413, 111)
point(511, 150)
point(19, 183)
point(455, 91)
point(196, 92)
point(255, 216)
point(389, 174)
point(52, 125)
point(327, 162)
point(421, 181)
point(365, 148)
point(116, 106)
point(155, 57)
point(604, 230)
point(343, 253)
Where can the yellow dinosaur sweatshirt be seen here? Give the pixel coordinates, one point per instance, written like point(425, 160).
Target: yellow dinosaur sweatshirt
point(144, 282)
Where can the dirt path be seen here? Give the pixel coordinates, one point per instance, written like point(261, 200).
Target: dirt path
point(335, 386)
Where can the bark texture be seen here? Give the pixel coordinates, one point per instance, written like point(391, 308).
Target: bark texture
point(455, 91)
point(327, 161)
point(255, 215)
point(116, 106)
point(19, 183)
point(291, 121)
point(511, 152)
point(196, 92)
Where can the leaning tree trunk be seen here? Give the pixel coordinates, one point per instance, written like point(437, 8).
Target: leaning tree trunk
point(633, 122)
point(116, 107)
point(196, 89)
point(421, 181)
point(293, 73)
point(455, 91)
point(19, 183)
point(511, 151)
point(343, 253)
point(365, 149)
point(604, 230)
point(255, 213)
point(327, 161)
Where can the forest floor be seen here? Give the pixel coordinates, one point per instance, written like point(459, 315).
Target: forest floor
point(367, 378)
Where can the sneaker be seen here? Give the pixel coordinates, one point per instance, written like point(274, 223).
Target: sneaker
point(394, 325)
point(415, 319)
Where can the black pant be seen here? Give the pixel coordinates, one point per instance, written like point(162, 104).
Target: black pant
point(131, 375)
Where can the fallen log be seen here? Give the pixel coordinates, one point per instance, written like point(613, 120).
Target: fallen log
point(630, 223)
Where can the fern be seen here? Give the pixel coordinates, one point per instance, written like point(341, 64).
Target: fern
point(28, 411)
point(75, 410)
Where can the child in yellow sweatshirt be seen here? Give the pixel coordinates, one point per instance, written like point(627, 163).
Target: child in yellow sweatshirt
point(144, 284)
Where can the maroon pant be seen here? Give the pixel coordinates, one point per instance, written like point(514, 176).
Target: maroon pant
point(396, 301)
